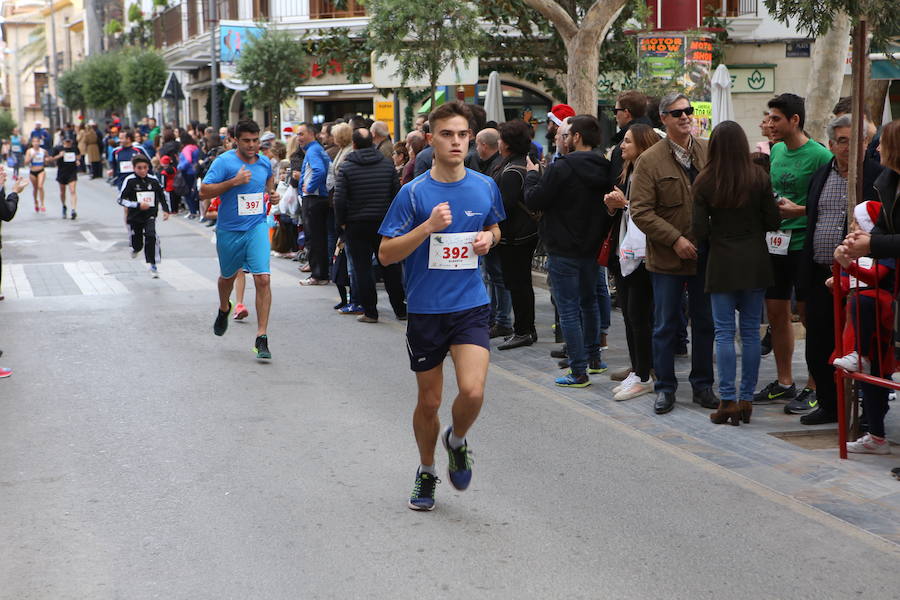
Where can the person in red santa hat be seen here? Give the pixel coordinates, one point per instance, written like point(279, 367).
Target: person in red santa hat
point(555, 118)
point(868, 333)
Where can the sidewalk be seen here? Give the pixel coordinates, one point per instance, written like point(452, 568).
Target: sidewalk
point(774, 450)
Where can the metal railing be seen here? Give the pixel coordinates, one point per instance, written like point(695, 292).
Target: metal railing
point(228, 10)
point(739, 8)
point(326, 9)
point(171, 25)
point(193, 18)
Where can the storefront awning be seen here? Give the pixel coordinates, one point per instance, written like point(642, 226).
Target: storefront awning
point(886, 69)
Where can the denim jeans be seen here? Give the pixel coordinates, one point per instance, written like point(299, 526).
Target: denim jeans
point(501, 301)
point(667, 292)
point(748, 304)
point(575, 289)
point(604, 303)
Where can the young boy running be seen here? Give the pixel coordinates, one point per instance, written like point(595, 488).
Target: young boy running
point(142, 195)
point(241, 177)
point(439, 224)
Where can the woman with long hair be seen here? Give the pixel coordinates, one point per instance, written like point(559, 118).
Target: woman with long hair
point(343, 139)
point(626, 262)
point(733, 209)
point(400, 156)
point(518, 233)
point(36, 161)
point(187, 165)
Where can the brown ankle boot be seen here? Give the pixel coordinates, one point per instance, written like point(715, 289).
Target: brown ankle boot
point(728, 411)
point(746, 408)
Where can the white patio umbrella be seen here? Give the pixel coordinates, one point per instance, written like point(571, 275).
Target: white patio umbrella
point(493, 99)
point(722, 108)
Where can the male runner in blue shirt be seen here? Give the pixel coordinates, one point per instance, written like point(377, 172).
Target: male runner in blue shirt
point(439, 224)
point(241, 178)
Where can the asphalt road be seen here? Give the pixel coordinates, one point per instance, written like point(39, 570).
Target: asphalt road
point(143, 457)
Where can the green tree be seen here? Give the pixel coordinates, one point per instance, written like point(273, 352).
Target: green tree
point(71, 87)
point(101, 83)
point(7, 122)
point(272, 65)
point(424, 35)
point(143, 76)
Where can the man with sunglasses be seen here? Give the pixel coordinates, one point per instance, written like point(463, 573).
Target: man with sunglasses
point(631, 108)
point(661, 206)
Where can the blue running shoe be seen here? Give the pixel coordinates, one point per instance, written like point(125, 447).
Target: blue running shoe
point(460, 467)
point(422, 497)
point(596, 366)
point(570, 380)
point(351, 309)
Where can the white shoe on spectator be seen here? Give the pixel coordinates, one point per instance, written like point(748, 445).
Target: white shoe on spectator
point(851, 363)
point(627, 382)
point(868, 444)
point(638, 388)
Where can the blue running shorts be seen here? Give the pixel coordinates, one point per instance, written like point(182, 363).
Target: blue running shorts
point(244, 249)
point(429, 337)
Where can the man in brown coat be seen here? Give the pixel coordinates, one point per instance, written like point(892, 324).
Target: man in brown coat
point(662, 207)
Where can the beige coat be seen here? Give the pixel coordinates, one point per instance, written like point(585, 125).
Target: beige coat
point(91, 145)
point(662, 205)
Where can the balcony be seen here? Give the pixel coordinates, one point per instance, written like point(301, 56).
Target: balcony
point(170, 21)
point(326, 9)
point(730, 8)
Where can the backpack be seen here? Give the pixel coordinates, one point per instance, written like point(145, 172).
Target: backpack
point(534, 215)
point(180, 185)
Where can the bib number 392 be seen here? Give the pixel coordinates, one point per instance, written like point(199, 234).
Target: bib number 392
point(778, 242)
point(250, 204)
point(452, 251)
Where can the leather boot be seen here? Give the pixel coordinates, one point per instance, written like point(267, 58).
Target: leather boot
point(728, 411)
point(746, 408)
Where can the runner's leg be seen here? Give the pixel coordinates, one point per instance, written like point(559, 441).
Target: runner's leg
point(240, 286)
point(426, 423)
point(263, 301)
point(41, 179)
point(471, 364)
point(225, 285)
point(73, 195)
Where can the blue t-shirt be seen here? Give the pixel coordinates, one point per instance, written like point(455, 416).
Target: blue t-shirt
point(225, 167)
point(475, 203)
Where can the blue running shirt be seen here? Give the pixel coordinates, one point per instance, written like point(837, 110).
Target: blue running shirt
point(475, 203)
point(225, 167)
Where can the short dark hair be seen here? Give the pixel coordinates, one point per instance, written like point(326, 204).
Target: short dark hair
point(448, 110)
point(478, 121)
point(515, 134)
point(311, 126)
point(843, 106)
point(589, 128)
point(362, 138)
point(128, 135)
point(245, 126)
point(790, 105)
point(634, 102)
point(139, 158)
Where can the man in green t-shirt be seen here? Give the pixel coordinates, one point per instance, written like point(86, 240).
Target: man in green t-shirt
point(793, 161)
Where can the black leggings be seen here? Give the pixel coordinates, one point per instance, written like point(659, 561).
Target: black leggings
point(635, 297)
point(515, 260)
point(143, 237)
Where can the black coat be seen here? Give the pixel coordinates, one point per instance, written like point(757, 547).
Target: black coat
point(519, 227)
point(364, 187)
point(9, 203)
point(886, 234)
point(570, 194)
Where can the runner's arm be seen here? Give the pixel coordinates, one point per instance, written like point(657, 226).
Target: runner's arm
point(483, 243)
point(211, 190)
point(125, 195)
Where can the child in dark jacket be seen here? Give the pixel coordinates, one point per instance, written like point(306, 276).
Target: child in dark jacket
point(142, 195)
point(169, 171)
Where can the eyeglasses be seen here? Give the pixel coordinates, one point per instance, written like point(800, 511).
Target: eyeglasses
point(680, 111)
point(617, 110)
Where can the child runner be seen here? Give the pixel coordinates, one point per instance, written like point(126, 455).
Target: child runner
point(439, 224)
point(142, 195)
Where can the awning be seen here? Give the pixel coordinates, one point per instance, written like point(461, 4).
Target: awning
point(439, 99)
point(885, 69)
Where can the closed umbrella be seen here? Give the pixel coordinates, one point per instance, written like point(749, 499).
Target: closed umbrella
point(493, 99)
point(722, 108)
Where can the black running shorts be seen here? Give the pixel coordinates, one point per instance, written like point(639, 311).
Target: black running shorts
point(429, 337)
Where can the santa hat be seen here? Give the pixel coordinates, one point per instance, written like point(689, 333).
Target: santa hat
point(560, 112)
point(287, 131)
point(165, 160)
point(866, 214)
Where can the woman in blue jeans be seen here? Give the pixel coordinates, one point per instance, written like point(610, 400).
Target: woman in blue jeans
point(733, 209)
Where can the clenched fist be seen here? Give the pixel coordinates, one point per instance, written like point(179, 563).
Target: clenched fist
point(440, 218)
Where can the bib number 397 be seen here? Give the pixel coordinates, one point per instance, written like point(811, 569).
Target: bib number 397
point(250, 204)
point(452, 251)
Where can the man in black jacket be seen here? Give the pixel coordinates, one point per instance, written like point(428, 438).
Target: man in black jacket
point(365, 186)
point(573, 227)
point(631, 106)
point(826, 225)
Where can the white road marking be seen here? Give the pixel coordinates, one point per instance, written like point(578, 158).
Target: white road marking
point(183, 279)
point(93, 280)
point(15, 282)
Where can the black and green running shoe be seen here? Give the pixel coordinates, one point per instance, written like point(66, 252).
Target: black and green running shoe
point(262, 347)
point(460, 467)
point(804, 402)
point(774, 392)
point(221, 324)
point(422, 497)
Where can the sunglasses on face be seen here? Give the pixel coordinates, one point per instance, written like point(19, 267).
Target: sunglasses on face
point(680, 111)
point(616, 110)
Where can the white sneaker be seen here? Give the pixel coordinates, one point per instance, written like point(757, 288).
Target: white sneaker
point(626, 383)
point(154, 272)
point(851, 363)
point(868, 445)
point(639, 388)
point(134, 253)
